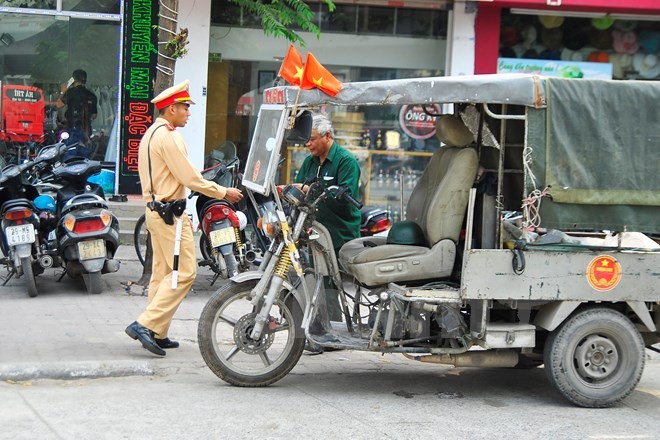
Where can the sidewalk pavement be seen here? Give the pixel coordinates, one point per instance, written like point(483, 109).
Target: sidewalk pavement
point(67, 333)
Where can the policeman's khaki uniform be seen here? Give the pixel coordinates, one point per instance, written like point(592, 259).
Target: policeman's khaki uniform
point(171, 172)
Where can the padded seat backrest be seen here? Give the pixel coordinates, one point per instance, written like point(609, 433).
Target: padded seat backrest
point(439, 200)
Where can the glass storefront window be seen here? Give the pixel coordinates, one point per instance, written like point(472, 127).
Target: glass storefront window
point(41, 54)
point(579, 47)
point(415, 22)
point(100, 6)
point(229, 14)
point(343, 19)
point(376, 20)
point(393, 143)
point(349, 18)
point(29, 4)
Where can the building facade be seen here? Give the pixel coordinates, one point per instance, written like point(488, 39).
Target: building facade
point(230, 61)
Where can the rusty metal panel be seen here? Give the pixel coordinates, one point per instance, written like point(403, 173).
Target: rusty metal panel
point(557, 275)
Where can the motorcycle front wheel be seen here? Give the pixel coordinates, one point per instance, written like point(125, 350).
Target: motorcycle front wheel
point(140, 237)
point(224, 338)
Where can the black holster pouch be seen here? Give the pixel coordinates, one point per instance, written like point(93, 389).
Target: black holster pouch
point(168, 210)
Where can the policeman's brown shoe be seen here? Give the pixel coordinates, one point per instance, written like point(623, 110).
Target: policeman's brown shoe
point(166, 343)
point(137, 331)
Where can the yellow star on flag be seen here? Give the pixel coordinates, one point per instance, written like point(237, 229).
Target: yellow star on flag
point(299, 73)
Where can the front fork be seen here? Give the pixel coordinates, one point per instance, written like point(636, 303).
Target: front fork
point(280, 267)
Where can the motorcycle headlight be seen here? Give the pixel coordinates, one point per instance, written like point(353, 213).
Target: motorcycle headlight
point(269, 224)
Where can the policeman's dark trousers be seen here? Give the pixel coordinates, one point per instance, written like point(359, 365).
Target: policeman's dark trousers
point(163, 301)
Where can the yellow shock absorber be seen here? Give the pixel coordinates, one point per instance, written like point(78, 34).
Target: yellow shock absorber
point(239, 243)
point(283, 264)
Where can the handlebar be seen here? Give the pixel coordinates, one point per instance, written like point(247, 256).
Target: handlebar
point(338, 192)
point(220, 170)
point(343, 193)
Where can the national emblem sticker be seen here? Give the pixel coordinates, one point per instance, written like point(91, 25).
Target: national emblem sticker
point(604, 273)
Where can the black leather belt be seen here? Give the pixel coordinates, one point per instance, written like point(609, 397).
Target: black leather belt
point(168, 210)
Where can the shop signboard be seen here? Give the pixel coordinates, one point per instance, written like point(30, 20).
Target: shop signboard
point(140, 42)
point(629, 6)
point(563, 69)
point(22, 112)
point(418, 122)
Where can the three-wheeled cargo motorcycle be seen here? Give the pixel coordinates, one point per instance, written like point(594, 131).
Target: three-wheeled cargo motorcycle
point(531, 238)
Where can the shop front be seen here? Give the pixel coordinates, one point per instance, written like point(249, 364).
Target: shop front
point(43, 46)
point(230, 63)
point(569, 38)
point(359, 42)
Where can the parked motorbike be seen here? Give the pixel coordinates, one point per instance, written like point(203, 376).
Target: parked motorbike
point(86, 235)
point(20, 224)
point(375, 221)
point(231, 241)
point(23, 237)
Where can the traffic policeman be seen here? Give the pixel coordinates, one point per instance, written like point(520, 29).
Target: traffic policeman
point(165, 171)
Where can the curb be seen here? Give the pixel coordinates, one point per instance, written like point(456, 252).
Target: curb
point(74, 370)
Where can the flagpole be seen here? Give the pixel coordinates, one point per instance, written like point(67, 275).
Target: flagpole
point(292, 121)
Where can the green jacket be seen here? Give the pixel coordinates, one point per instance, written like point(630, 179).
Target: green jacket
point(341, 218)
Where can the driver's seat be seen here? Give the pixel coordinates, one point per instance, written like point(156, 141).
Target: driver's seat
point(438, 205)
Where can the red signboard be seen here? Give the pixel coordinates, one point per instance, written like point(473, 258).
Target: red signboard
point(22, 112)
point(646, 7)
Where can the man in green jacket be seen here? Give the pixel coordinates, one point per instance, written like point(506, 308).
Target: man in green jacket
point(332, 165)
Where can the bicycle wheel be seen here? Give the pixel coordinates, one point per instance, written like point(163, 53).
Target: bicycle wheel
point(140, 237)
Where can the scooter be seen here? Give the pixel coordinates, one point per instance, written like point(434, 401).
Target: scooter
point(375, 221)
point(22, 235)
point(20, 226)
point(231, 241)
point(86, 237)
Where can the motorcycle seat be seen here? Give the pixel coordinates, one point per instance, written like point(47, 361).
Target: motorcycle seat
point(213, 202)
point(438, 205)
point(84, 201)
point(13, 203)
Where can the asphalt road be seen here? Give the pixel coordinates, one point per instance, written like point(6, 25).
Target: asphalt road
point(68, 371)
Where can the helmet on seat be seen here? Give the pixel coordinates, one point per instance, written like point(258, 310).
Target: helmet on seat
point(406, 232)
point(44, 202)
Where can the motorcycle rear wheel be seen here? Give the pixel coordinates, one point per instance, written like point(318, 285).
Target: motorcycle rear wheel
point(28, 277)
point(93, 282)
point(223, 336)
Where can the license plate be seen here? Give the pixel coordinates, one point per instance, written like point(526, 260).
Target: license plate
point(90, 249)
point(20, 234)
point(222, 236)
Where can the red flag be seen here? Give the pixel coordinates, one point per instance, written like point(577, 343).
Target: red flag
point(292, 66)
point(315, 75)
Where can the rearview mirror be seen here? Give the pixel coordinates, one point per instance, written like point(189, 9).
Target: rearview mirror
point(302, 129)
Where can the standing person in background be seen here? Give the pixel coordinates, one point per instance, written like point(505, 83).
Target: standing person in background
point(80, 104)
point(165, 171)
point(332, 165)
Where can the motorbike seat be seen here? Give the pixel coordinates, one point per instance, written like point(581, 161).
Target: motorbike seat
point(438, 205)
point(13, 203)
point(213, 202)
point(84, 201)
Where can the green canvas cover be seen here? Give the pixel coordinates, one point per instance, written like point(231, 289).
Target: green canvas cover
point(597, 148)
